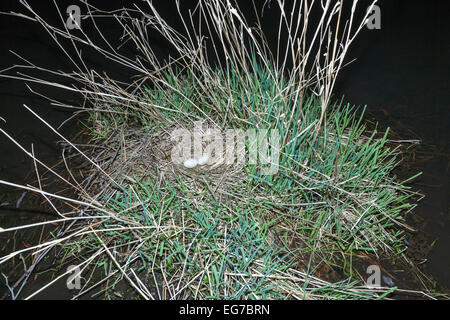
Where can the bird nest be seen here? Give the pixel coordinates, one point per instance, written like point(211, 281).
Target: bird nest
point(136, 155)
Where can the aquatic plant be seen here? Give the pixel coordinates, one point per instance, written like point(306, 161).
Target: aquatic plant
point(229, 232)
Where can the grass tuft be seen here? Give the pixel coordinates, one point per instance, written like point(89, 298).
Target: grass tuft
point(225, 231)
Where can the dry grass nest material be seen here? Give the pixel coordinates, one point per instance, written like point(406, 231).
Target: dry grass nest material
point(133, 154)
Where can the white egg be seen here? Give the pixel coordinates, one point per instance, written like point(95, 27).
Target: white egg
point(203, 159)
point(190, 163)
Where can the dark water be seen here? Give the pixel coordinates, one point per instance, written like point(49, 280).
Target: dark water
point(401, 75)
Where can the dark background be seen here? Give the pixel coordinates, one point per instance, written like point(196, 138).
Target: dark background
point(401, 74)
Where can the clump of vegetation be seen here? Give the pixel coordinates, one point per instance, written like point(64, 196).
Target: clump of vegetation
point(224, 232)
